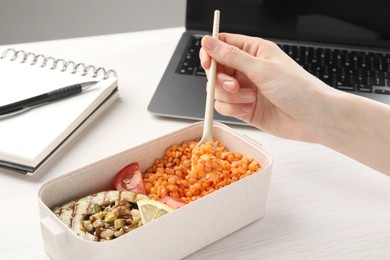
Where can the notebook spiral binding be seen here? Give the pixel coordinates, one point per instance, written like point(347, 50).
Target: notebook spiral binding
point(25, 57)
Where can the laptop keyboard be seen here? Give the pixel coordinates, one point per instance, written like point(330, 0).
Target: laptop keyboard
point(347, 70)
point(344, 69)
point(190, 63)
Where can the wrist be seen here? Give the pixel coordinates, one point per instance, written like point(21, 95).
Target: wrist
point(324, 118)
point(337, 118)
point(356, 127)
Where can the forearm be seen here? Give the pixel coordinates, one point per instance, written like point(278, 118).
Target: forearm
point(358, 128)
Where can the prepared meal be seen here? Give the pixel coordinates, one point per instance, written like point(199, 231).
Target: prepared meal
point(165, 231)
point(185, 173)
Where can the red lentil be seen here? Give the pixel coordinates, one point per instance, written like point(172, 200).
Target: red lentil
point(188, 173)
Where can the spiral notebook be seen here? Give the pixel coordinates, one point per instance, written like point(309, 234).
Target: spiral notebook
point(30, 141)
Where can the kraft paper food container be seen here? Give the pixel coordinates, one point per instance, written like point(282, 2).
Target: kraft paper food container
point(174, 235)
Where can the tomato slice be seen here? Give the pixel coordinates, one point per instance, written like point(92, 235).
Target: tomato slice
point(173, 203)
point(130, 178)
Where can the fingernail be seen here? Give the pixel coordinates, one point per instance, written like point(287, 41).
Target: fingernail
point(247, 96)
point(209, 42)
point(228, 86)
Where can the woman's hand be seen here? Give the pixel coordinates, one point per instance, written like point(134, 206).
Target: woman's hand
point(261, 85)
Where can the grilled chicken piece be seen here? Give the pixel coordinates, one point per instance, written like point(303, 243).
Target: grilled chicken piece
point(102, 216)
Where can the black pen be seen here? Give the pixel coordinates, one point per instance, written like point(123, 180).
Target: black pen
point(26, 104)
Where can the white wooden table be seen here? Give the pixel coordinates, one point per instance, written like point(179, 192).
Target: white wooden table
point(322, 204)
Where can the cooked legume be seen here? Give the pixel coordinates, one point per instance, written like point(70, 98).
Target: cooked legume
point(191, 174)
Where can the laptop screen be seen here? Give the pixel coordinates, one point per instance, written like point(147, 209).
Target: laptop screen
point(357, 22)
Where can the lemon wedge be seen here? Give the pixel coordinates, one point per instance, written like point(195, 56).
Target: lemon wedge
point(152, 209)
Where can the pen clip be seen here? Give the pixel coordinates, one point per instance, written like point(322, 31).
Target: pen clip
point(4, 116)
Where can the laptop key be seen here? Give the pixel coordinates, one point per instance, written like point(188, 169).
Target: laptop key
point(379, 79)
point(382, 91)
point(186, 70)
point(200, 71)
point(345, 86)
point(364, 88)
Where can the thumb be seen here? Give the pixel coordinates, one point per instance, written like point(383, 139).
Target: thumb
point(229, 55)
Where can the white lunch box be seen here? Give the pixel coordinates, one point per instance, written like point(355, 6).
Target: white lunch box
point(174, 235)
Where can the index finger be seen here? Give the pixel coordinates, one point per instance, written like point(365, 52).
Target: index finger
point(229, 55)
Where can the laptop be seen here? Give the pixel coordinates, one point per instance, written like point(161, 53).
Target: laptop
point(345, 43)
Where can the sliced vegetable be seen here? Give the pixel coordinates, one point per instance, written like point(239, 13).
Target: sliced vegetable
point(130, 179)
point(173, 203)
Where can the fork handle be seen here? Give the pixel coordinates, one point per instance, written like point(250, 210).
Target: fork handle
point(209, 110)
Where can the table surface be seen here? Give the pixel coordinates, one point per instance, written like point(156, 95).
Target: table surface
point(322, 205)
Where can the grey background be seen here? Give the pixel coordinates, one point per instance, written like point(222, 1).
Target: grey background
point(40, 20)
